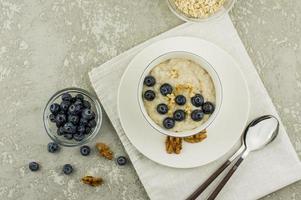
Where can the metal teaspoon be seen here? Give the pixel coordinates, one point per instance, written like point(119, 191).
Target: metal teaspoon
point(257, 135)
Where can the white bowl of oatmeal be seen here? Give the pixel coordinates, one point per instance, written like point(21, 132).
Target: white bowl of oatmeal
point(200, 10)
point(179, 94)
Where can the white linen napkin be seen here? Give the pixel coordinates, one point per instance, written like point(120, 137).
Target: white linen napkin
point(261, 173)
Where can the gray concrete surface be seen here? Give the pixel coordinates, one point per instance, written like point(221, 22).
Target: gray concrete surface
point(49, 45)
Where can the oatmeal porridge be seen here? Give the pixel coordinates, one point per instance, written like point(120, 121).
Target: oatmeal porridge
point(179, 95)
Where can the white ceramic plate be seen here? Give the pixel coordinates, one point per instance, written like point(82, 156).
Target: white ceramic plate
point(223, 132)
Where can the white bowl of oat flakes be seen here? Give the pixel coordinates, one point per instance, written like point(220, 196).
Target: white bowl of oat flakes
point(200, 10)
point(179, 94)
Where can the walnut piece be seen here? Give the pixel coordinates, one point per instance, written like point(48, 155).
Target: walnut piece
point(196, 138)
point(104, 150)
point(173, 145)
point(93, 181)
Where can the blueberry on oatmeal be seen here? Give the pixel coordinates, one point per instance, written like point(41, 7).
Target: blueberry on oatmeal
point(180, 100)
point(166, 89)
point(162, 108)
point(197, 115)
point(197, 100)
point(168, 123)
point(208, 107)
point(179, 115)
point(149, 95)
point(149, 81)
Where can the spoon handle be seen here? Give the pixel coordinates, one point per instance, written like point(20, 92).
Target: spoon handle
point(200, 189)
point(220, 186)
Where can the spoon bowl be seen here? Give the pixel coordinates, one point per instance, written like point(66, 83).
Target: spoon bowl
point(260, 132)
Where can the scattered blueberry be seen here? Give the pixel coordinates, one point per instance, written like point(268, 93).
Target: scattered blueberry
point(74, 119)
point(121, 160)
point(149, 81)
point(79, 96)
point(67, 169)
point(86, 104)
point(180, 100)
point(197, 115)
point(54, 108)
point(68, 136)
point(208, 107)
point(52, 118)
point(168, 123)
point(60, 119)
point(92, 123)
point(179, 115)
point(81, 129)
point(66, 97)
point(78, 136)
point(34, 166)
point(166, 89)
point(88, 114)
point(197, 100)
point(65, 105)
point(162, 108)
point(85, 150)
point(149, 95)
point(53, 147)
point(60, 131)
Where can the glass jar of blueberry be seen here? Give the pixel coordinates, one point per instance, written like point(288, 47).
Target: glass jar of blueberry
point(72, 117)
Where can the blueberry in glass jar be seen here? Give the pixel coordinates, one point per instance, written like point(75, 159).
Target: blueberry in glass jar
point(65, 105)
point(66, 97)
point(54, 108)
point(74, 117)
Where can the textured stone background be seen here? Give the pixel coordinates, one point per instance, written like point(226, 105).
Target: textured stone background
point(48, 45)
